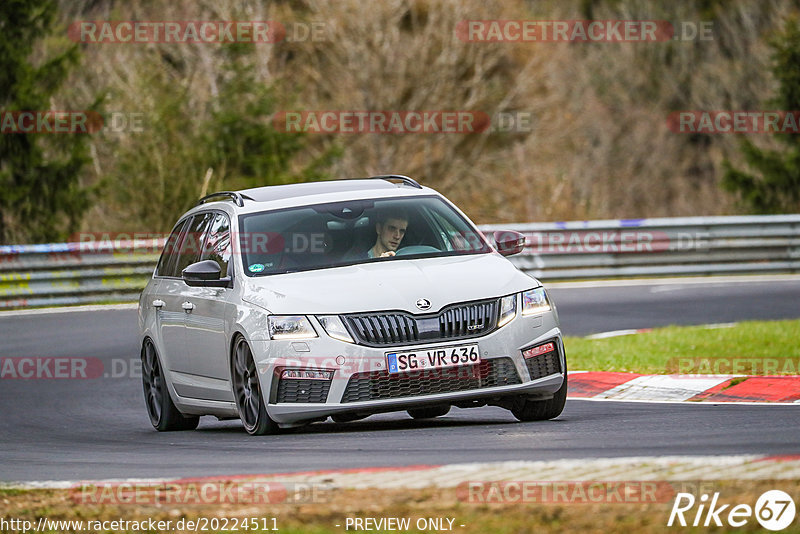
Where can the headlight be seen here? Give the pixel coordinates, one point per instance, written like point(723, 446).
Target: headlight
point(535, 301)
point(508, 310)
point(290, 327)
point(334, 327)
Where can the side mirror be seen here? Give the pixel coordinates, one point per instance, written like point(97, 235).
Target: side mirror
point(509, 242)
point(204, 273)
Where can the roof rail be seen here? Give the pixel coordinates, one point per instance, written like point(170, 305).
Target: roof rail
point(238, 198)
point(405, 179)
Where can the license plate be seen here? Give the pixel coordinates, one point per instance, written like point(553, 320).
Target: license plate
point(433, 358)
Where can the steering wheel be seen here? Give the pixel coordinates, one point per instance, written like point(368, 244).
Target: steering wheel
point(416, 249)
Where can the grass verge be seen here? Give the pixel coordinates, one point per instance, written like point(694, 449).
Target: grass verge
point(751, 348)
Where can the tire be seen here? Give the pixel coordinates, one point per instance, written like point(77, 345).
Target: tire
point(163, 414)
point(247, 392)
point(429, 412)
point(526, 409)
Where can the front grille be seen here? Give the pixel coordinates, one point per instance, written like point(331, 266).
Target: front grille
point(303, 390)
point(460, 321)
point(376, 385)
point(544, 364)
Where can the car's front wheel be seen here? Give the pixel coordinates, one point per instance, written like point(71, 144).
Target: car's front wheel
point(247, 391)
point(527, 409)
point(162, 411)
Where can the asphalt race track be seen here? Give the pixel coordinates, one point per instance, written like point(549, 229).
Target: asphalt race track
point(98, 428)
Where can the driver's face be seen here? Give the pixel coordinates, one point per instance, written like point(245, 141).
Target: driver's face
point(391, 233)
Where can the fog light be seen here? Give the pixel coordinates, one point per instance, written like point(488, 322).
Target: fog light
point(538, 350)
point(306, 374)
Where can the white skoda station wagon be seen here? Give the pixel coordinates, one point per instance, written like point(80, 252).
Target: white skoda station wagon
point(290, 304)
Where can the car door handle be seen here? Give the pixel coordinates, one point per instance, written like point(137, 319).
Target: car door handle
point(187, 307)
point(158, 303)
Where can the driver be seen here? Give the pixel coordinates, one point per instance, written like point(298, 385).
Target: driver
point(391, 228)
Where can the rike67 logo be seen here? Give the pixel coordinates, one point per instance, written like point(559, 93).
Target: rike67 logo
point(774, 510)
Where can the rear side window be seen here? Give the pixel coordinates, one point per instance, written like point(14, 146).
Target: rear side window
point(192, 241)
point(218, 243)
point(166, 263)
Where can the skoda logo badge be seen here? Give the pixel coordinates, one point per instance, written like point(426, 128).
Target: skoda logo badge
point(423, 304)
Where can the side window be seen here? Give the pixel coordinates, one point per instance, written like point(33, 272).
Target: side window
point(452, 238)
point(218, 242)
point(192, 243)
point(166, 262)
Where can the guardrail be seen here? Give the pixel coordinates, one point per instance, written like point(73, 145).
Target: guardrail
point(75, 273)
point(659, 247)
point(92, 272)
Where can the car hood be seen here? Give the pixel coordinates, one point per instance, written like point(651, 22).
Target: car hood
point(388, 285)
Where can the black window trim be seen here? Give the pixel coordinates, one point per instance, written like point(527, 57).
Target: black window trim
point(231, 268)
point(183, 220)
point(182, 223)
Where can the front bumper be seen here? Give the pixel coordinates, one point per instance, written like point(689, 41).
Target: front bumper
point(503, 372)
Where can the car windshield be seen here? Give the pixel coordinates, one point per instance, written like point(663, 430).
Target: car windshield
point(345, 233)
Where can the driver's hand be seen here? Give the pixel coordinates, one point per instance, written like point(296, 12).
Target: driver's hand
point(387, 254)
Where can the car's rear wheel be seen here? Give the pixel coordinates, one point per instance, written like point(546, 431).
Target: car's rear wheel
point(527, 409)
point(429, 412)
point(247, 391)
point(162, 411)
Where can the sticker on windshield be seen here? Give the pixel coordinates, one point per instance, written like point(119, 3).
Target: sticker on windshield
point(256, 267)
